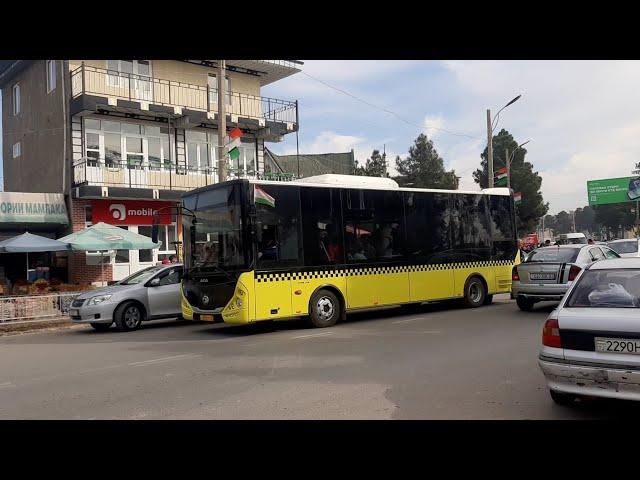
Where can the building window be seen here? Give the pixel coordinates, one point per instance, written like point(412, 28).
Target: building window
point(202, 151)
point(17, 150)
point(117, 145)
point(16, 99)
point(51, 75)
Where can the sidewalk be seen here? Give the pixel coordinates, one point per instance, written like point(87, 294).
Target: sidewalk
point(14, 328)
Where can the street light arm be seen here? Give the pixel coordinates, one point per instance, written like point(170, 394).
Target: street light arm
point(498, 114)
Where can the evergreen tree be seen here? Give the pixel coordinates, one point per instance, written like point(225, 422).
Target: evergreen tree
point(375, 166)
point(523, 180)
point(424, 168)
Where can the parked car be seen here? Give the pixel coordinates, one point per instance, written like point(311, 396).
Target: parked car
point(625, 248)
point(548, 272)
point(149, 294)
point(571, 238)
point(591, 342)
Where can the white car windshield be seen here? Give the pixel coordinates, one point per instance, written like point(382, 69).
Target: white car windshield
point(615, 288)
point(141, 276)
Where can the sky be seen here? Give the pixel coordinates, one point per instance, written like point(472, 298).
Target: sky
point(578, 115)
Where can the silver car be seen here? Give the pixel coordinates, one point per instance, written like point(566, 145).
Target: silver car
point(548, 272)
point(591, 342)
point(149, 294)
point(625, 248)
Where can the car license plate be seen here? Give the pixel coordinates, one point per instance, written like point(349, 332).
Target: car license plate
point(542, 276)
point(73, 312)
point(206, 317)
point(618, 345)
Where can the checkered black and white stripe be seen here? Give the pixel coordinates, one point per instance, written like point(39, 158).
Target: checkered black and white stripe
point(263, 277)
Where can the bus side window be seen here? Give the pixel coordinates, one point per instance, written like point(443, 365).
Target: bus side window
point(321, 231)
point(278, 218)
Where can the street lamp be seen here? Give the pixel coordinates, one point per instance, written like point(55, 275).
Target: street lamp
point(509, 158)
point(490, 128)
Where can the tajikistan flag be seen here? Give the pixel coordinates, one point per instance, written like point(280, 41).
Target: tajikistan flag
point(501, 177)
point(517, 197)
point(260, 196)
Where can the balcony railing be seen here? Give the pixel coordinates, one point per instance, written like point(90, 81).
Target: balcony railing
point(139, 88)
point(161, 176)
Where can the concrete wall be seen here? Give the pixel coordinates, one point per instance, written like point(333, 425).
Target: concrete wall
point(39, 128)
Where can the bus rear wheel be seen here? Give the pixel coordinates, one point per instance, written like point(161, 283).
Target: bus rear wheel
point(324, 309)
point(475, 292)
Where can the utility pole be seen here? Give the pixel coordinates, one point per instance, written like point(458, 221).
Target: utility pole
point(222, 123)
point(507, 162)
point(489, 151)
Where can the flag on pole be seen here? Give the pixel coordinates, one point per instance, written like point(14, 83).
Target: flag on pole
point(233, 147)
point(262, 197)
point(235, 133)
point(501, 182)
point(517, 198)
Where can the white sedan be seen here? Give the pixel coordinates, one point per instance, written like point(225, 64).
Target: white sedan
point(591, 342)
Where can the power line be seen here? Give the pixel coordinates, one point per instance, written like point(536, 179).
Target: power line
point(386, 110)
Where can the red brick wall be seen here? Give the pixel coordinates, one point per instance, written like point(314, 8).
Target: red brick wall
point(79, 271)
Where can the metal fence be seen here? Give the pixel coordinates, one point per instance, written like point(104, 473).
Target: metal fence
point(35, 308)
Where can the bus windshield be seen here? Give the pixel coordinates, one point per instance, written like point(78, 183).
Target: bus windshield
point(218, 242)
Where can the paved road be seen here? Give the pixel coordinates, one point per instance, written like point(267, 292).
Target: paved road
point(439, 363)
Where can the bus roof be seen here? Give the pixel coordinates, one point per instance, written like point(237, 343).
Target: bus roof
point(372, 183)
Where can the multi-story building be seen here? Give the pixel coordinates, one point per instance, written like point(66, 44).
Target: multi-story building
point(122, 138)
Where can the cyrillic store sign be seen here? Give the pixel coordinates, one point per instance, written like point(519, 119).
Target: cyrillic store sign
point(18, 207)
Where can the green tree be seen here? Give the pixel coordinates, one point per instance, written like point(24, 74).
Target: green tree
point(424, 168)
point(375, 166)
point(564, 223)
point(523, 180)
point(615, 217)
point(586, 220)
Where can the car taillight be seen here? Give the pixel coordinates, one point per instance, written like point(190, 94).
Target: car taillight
point(514, 275)
point(573, 272)
point(551, 333)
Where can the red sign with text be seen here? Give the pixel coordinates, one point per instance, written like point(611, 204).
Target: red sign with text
point(130, 212)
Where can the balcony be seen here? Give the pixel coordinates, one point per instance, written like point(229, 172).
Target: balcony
point(125, 179)
point(195, 104)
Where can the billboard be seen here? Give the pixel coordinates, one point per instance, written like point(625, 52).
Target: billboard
point(613, 190)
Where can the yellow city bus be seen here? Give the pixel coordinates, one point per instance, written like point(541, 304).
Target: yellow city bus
point(323, 246)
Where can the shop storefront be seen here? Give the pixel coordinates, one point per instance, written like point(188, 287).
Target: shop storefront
point(43, 214)
point(135, 216)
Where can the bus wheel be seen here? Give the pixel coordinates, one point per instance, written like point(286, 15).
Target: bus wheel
point(324, 309)
point(474, 292)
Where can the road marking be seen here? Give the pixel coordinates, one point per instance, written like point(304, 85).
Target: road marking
point(6, 384)
point(162, 360)
point(407, 320)
point(312, 335)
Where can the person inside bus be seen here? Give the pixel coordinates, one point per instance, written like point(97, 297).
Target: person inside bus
point(268, 248)
point(334, 250)
point(384, 241)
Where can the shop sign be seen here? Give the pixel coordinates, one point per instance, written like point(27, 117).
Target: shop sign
point(131, 212)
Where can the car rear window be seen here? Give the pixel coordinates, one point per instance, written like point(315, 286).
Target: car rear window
point(559, 255)
point(617, 288)
point(624, 247)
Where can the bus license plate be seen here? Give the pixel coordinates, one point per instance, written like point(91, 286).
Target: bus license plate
point(618, 345)
point(206, 317)
point(542, 276)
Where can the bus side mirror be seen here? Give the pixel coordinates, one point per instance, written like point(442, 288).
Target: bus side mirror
point(192, 233)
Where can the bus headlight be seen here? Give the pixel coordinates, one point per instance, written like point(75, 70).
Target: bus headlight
point(239, 302)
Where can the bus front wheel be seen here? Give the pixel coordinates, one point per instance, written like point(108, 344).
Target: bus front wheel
point(475, 292)
point(324, 309)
